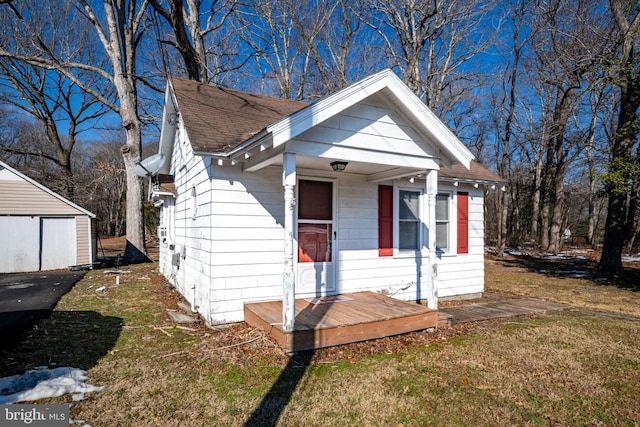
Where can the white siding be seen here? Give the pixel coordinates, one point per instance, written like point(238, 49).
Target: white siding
point(189, 228)
point(460, 274)
point(360, 268)
point(370, 126)
point(247, 230)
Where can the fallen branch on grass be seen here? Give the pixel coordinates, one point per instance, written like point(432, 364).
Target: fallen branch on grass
point(176, 353)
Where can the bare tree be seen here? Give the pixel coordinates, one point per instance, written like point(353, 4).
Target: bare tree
point(280, 55)
point(328, 30)
point(60, 107)
point(429, 43)
point(119, 26)
point(197, 27)
point(507, 115)
point(103, 186)
point(567, 48)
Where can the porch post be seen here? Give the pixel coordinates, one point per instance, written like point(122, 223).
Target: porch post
point(289, 279)
point(432, 278)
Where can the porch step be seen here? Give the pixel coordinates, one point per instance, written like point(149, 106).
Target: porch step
point(356, 317)
point(444, 319)
point(182, 318)
point(186, 308)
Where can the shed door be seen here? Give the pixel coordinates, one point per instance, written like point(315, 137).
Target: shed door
point(58, 243)
point(20, 243)
point(315, 238)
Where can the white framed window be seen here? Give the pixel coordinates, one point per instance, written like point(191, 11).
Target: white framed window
point(409, 236)
point(443, 221)
point(168, 221)
point(400, 221)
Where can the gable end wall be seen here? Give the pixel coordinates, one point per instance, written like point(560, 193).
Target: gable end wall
point(24, 198)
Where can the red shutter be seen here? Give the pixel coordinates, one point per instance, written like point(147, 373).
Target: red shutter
point(385, 220)
point(463, 223)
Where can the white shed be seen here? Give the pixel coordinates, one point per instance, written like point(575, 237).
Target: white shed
point(41, 230)
point(365, 190)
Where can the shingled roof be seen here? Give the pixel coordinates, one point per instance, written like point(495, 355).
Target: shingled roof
point(217, 119)
point(477, 173)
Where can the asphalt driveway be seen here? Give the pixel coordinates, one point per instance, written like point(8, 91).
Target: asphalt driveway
point(25, 298)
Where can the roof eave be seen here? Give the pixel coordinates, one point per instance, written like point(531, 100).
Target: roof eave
point(471, 181)
point(239, 150)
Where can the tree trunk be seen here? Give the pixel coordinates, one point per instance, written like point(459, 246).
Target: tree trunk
point(544, 226)
point(502, 222)
point(555, 231)
point(535, 205)
point(122, 54)
point(624, 140)
point(632, 222)
point(591, 170)
point(136, 250)
point(611, 259)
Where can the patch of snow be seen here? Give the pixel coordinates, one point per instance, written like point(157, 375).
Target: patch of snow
point(574, 273)
point(512, 252)
point(558, 257)
point(631, 258)
point(42, 382)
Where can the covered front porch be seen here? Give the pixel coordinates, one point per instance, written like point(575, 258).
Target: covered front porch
point(329, 321)
point(379, 137)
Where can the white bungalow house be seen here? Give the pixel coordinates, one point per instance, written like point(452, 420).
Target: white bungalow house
point(269, 199)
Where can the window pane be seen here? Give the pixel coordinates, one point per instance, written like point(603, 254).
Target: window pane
point(315, 200)
point(314, 243)
point(442, 235)
point(442, 207)
point(408, 238)
point(409, 206)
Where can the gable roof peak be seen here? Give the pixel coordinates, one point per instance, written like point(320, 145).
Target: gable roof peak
point(293, 125)
point(47, 190)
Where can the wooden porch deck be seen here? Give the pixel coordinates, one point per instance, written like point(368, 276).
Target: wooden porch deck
point(350, 318)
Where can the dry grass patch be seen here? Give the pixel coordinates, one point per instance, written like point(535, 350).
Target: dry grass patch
point(545, 280)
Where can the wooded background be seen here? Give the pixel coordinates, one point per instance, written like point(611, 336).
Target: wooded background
point(544, 92)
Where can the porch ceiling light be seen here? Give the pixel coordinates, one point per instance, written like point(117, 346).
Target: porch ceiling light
point(338, 166)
